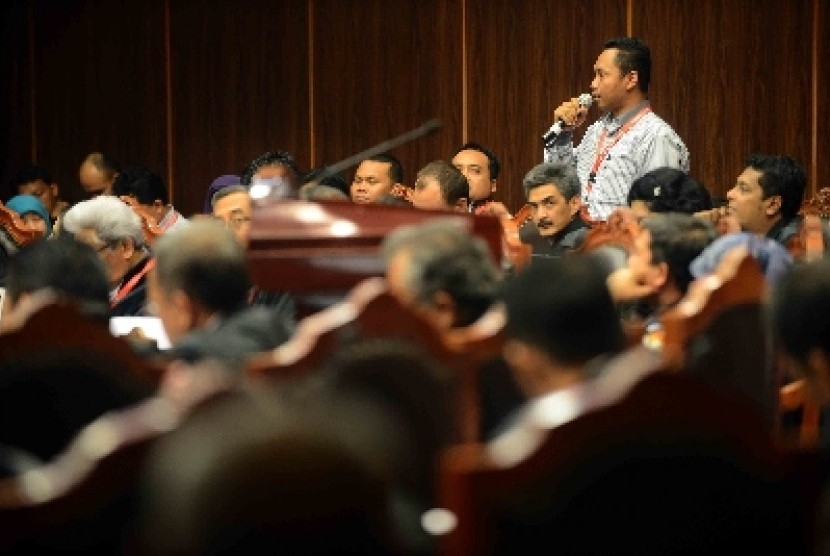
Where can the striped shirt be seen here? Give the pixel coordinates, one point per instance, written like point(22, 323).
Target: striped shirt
point(649, 144)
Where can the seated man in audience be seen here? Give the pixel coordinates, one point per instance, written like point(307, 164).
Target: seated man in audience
point(667, 190)
point(66, 267)
point(767, 196)
point(553, 194)
point(233, 205)
point(440, 186)
point(560, 321)
point(799, 307)
point(97, 174)
point(440, 271)
point(114, 230)
point(199, 288)
point(657, 273)
point(446, 275)
point(276, 170)
point(481, 167)
point(138, 185)
point(376, 177)
point(34, 215)
point(38, 182)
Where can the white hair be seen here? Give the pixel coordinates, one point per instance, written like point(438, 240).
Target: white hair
point(110, 217)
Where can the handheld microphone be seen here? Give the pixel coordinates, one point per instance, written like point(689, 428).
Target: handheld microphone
point(585, 101)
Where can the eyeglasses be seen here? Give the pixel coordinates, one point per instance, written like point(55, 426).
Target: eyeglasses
point(102, 248)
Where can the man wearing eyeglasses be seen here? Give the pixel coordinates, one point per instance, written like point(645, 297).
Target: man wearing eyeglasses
point(233, 206)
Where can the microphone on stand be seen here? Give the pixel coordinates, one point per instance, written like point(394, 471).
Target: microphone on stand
point(585, 101)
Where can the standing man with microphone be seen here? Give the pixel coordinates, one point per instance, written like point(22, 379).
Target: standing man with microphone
point(626, 142)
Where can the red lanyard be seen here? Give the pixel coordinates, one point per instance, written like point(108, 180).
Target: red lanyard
point(602, 149)
point(167, 225)
point(128, 287)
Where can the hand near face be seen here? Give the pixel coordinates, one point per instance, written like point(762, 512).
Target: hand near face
point(625, 286)
point(571, 112)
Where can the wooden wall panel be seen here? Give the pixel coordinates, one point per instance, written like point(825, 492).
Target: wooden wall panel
point(99, 84)
point(524, 59)
point(732, 77)
point(239, 88)
point(382, 68)
point(15, 94)
point(822, 76)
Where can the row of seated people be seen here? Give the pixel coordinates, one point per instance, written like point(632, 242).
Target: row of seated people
point(458, 301)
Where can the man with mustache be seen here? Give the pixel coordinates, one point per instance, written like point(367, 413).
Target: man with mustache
point(554, 195)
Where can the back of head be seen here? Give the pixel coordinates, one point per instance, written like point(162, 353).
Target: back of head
point(111, 219)
point(205, 261)
point(270, 158)
point(56, 393)
point(322, 176)
point(800, 305)
point(633, 55)
point(68, 267)
point(443, 257)
point(780, 175)
point(141, 183)
point(258, 474)
point(563, 307)
point(676, 239)
point(452, 182)
point(560, 175)
point(670, 190)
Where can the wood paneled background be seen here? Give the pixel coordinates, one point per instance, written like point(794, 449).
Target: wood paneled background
point(195, 89)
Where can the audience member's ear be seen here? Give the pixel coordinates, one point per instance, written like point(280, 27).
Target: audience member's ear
point(529, 366)
point(442, 314)
point(493, 186)
point(816, 371)
point(773, 205)
point(461, 205)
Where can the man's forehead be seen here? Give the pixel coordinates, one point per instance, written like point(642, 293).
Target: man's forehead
point(750, 176)
point(607, 59)
point(372, 167)
point(471, 157)
point(543, 192)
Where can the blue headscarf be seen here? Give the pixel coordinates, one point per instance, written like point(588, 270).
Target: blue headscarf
point(24, 204)
point(772, 257)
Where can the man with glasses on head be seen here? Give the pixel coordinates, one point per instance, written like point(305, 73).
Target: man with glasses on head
point(114, 230)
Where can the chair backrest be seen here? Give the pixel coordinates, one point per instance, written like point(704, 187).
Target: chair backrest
point(717, 332)
point(642, 462)
point(82, 500)
point(369, 312)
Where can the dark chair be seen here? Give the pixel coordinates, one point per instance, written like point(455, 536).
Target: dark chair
point(643, 462)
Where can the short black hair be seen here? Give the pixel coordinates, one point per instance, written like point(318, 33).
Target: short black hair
point(395, 166)
point(677, 239)
point(453, 183)
point(142, 183)
point(799, 309)
point(564, 308)
point(670, 190)
point(322, 176)
point(68, 267)
point(633, 55)
point(492, 159)
point(30, 173)
point(270, 158)
point(780, 175)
